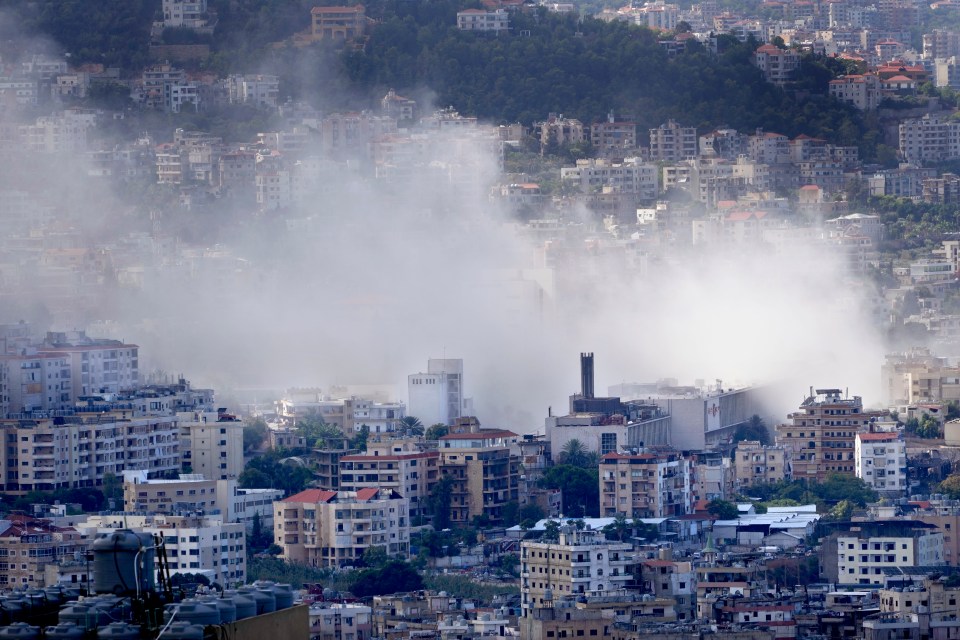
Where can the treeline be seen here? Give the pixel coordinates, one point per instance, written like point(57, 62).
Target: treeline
point(584, 68)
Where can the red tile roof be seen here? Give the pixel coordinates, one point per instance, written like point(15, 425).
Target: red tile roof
point(312, 496)
point(878, 437)
point(367, 494)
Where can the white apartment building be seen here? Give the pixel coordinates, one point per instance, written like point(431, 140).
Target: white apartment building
point(259, 90)
point(332, 528)
point(480, 20)
point(929, 139)
point(630, 176)
point(340, 621)
point(34, 382)
point(862, 91)
point(97, 365)
point(778, 65)
point(191, 14)
point(437, 395)
point(211, 444)
point(671, 142)
point(580, 562)
point(203, 545)
point(657, 15)
point(194, 493)
point(863, 556)
point(881, 462)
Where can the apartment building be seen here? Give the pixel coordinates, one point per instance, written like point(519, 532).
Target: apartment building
point(194, 493)
point(881, 462)
point(590, 175)
point(646, 485)
point(862, 91)
point(339, 24)
point(32, 381)
point(28, 545)
point(917, 376)
point(79, 450)
point(755, 463)
point(929, 139)
point(211, 443)
point(777, 65)
point(941, 43)
point(334, 528)
point(191, 14)
point(485, 475)
point(821, 435)
point(479, 20)
point(258, 90)
point(197, 544)
point(580, 562)
point(667, 578)
point(863, 556)
point(671, 142)
point(97, 365)
point(559, 130)
point(399, 467)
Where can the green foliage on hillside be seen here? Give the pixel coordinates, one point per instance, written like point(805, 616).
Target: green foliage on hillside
point(111, 32)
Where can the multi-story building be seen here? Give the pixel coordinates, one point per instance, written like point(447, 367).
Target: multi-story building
point(863, 556)
point(947, 72)
point(402, 468)
point(646, 485)
point(256, 89)
point(340, 621)
point(881, 462)
point(197, 544)
point(35, 382)
point(335, 528)
point(211, 444)
point(97, 365)
point(929, 140)
point(437, 395)
point(484, 474)
point(671, 142)
point(862, 91)
point(557, 130)
point(194, 493)
point(338, 24)
point(667, 578)
point(629, 176)
point(917, 376)
point(821, 435)
point(613, 137)
point(580, 562)
point(28, 545)
point(941, 43)
point(777, 65)
point(479, 20)
point(755, 463)
point(79, 450)
point(191, 14)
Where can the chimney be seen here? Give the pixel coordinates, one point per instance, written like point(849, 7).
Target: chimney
point(586, 375)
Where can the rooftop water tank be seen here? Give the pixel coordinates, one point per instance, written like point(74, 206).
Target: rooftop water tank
point(20, 631)
point(120, 559)
point(65, 631)
point(119, 631)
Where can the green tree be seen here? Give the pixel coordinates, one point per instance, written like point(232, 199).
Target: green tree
point(412, 425)
point(575, 453)
point(394, 577)
point(112, 487)
point(752, 429)
point(375, 557)
point(360, 440)
point(950, 486)
point(723, 509)
point(551, 531)
point(620, 529)
point(439, 502)
point(532, 511)
point(841, 511)
point(436, 431)
point(254, 434)
point(580, 488)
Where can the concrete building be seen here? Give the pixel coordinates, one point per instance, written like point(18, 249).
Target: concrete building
point(881, 462)
point(862, 91)
point(917, 376)
point(194, 493)
point(338, 24)
point(862, 556)
point(941, 43)
point(557, 130)
point(28, 546)
point(402, 468)
point(929, 140)
point(340, 621)
point(646, 485)
point(335, 528)
point(436, 397)
point(580, 562)
point(479, 20)
point(755, 463)
point(777, 65)
point(629, 176)
point(671, 142)
point(211, 444)
point(195, 544)
point(821, 434)
point(667, 578)
point(484, 472)
point(190, 14)
point(258, 90)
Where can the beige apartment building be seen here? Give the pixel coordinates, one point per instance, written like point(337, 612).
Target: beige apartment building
point(646, 485)
point(821, 435)
point(755, 463)
point(334, 528)
point(484, 472)
point(400, 467)
point(78, 451)
point(581, 562)
point(28, 545)
point(339, 24)
point(211, 444)
point(917, 377)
